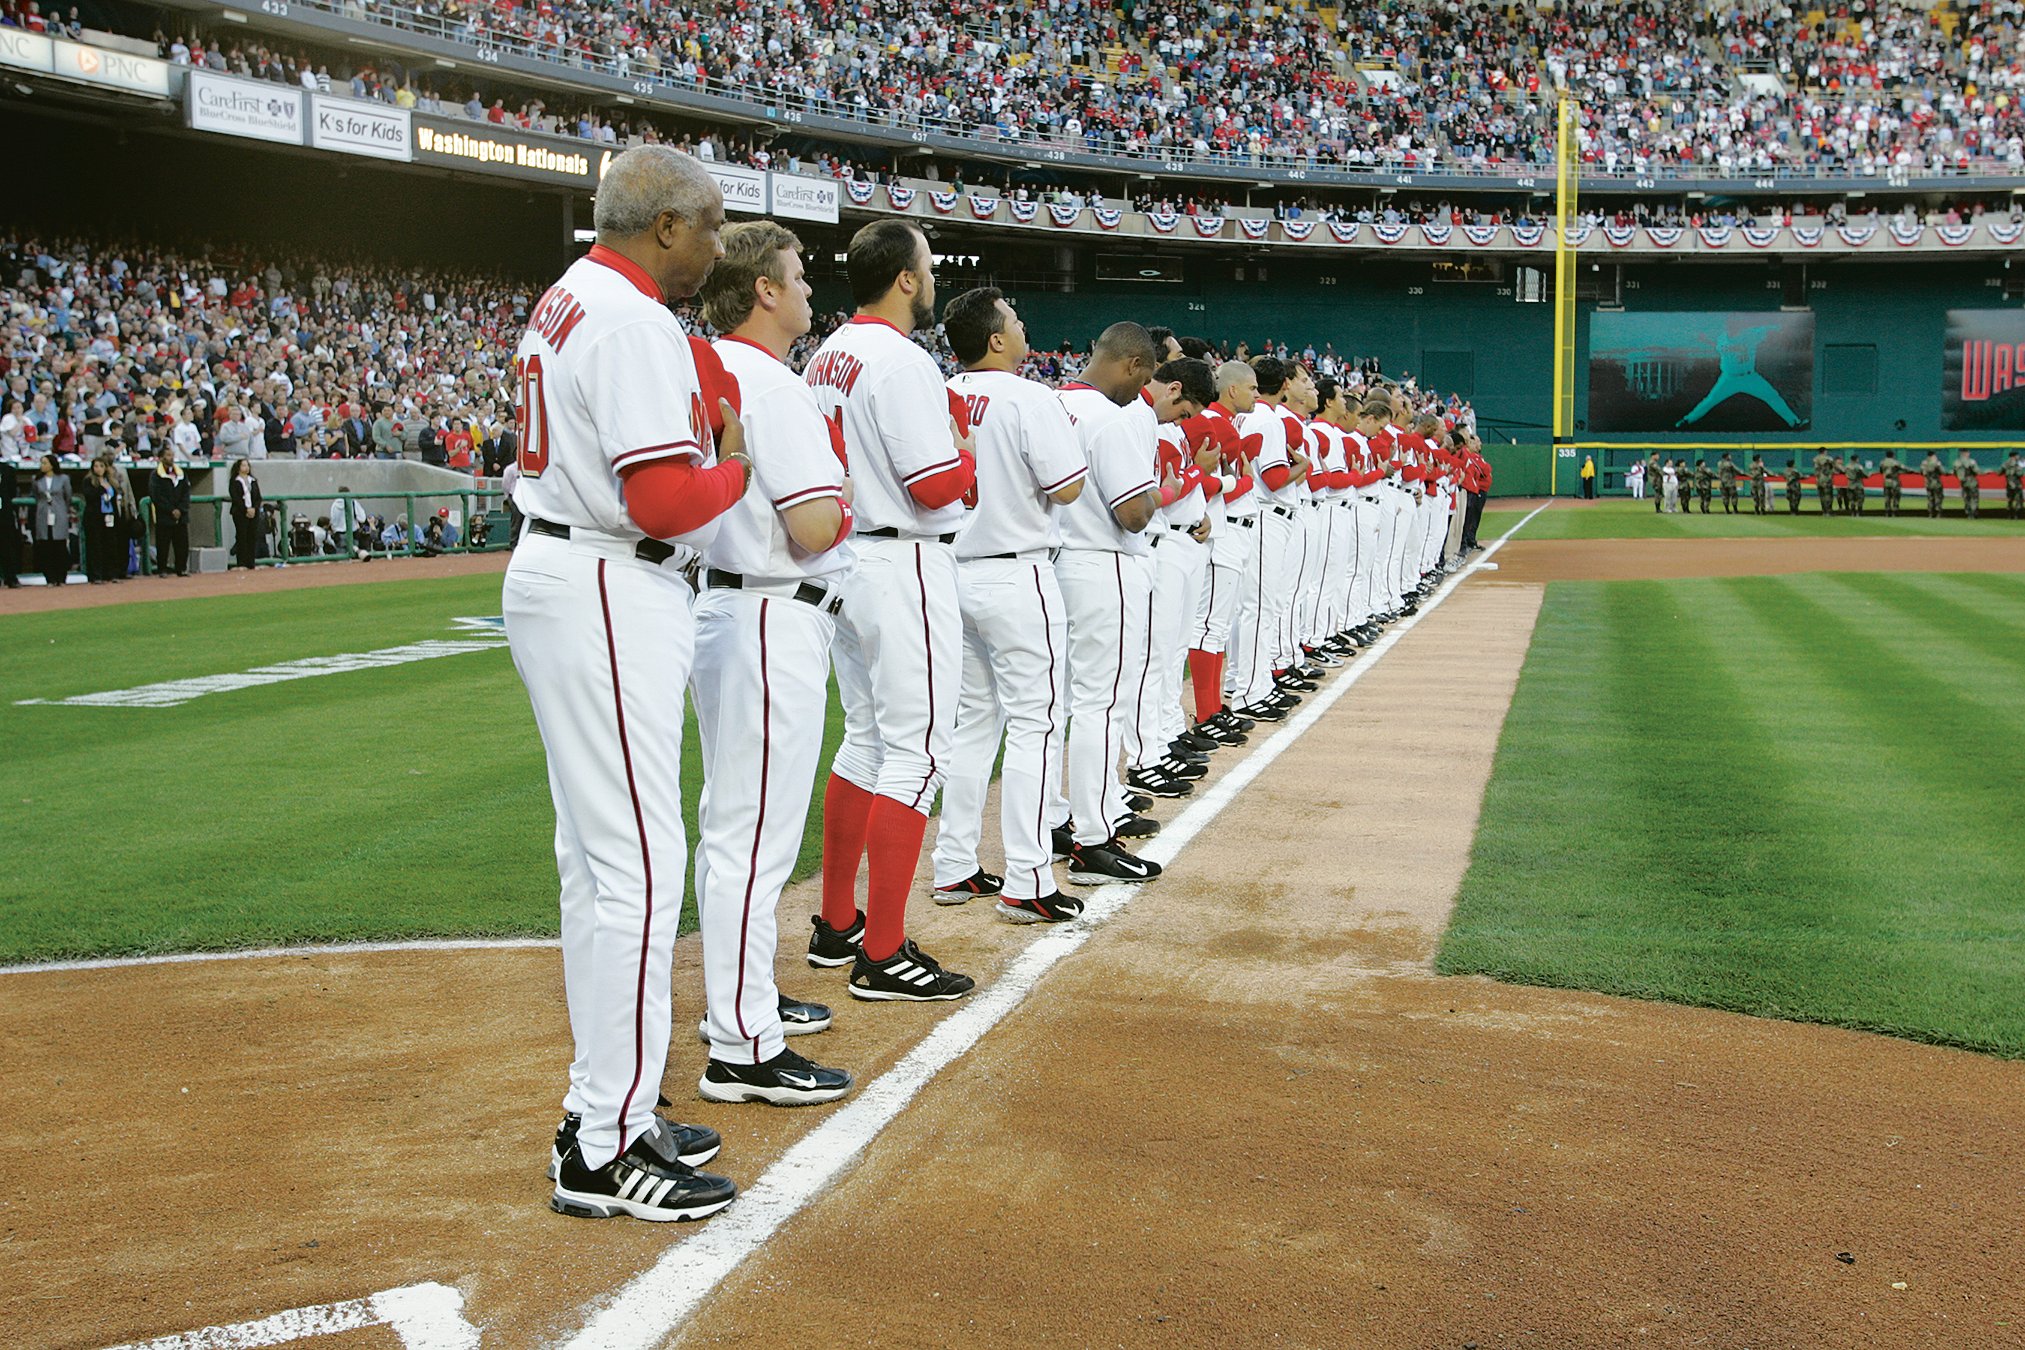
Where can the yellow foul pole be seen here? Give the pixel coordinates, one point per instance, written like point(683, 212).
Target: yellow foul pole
point(1564, 284)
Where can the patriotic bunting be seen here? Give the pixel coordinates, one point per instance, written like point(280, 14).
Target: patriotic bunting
point(1437, 235)
point(1480, 235)
point(1620, 236)
point(1207, 227)
point(1905, 233)
point(1107, 219)
point(1163, 222)
point(1528, 236)
point(1807, 237)
point(2005, 232)
point(984, 208)
point(1297, 230)
point(1954, 236)
point(943, 202)
point(1344, 231)
point(1856, 236)
point(1063, 216)
point(1759, 236)
point(1023, 213)
point(1663, 236)
point(861, 193)
point(1714, 236)
point(1389, 234)
point(901, 197)
point(1254, 229)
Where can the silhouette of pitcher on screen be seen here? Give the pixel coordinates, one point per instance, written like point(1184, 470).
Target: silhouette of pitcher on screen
point(1738, 374)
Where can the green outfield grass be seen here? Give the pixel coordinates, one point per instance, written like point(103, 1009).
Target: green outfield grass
point(1796, 797)
point(1626, 519)
point(403, 802)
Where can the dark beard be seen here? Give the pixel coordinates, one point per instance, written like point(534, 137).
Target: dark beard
point(923, 314)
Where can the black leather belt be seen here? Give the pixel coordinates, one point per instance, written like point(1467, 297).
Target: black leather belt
point(890, 533)
point(647, 550)
point(1244, 522)
point(1286, 512)
point(1053, 553)
point(824, 599)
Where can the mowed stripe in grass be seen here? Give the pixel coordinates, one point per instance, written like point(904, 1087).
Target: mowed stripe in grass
point(1626, 519)
point(409, 801)
point(1793, 797)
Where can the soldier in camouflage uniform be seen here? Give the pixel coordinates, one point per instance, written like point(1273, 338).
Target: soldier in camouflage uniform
point(2013, 470)
point(1761, 486)
point(1824, 480)
point(1858, 471)
point(1705, 483)
point(1931, 470)
point(1966, 470)
point(1893, 483)
point(1652, 483)
point(1792, 487)
point(1726, 477)
point(1841, 486)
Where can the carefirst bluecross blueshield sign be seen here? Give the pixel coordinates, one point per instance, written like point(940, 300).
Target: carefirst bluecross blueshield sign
point(354, 128)
point(255, 109)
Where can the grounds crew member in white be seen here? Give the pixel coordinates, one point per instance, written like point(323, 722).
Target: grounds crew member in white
point(1104, 569)
point(619, 486)
point(899, 645)
point(768, 585)
point(1015, 622)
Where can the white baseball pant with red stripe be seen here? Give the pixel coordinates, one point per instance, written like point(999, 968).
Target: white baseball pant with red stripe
point(603, 642)
point(899, 659)
point(1108, 595)
point(1015, 679)
point(761, 688)
point(1181, 568)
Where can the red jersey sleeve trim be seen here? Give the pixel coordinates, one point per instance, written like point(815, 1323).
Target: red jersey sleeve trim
point(1128, 496)
point(944, 467)
point(1076, 477)
point(808, 495)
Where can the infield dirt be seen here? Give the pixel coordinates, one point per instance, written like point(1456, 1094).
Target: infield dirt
point(1244, 1113)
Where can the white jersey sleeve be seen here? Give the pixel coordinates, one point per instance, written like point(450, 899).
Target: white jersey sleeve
point(886, 396)
point(1121, 467)
point(792, 463)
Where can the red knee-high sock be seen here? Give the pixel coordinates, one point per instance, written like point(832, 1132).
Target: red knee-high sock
point(847, 810)
point(893, 851)
point(1205, 671)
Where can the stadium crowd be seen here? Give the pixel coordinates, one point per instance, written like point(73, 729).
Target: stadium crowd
point(1460, 84)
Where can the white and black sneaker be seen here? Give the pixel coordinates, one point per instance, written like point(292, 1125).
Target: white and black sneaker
point(1136, 827)
point(1184, 769)
point(1155, 781)
point(909, 975)
point(1101, 864)
point(830, 947)
point(785, 1080)
point(978, 883)
point(1233, 721)
point(796, 1019)
point(695, 1145)
point(1195, 740)
point(1060, 840)
point(1134, 801)
point(1056, 908)
point(1220, 732)
point(648, 1181)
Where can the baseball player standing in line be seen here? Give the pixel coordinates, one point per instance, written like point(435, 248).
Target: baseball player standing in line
point(1015, 621)
point(1370, 509)
point(1297, 648)
point(1180, 561)
point(1230, 544)
point(1249, 676)
point(1104, 576)
point(1156, 762)
point(615, 459)
point(899, 645)
point(768, 586)
point(1331, 483)
point(1282, 522)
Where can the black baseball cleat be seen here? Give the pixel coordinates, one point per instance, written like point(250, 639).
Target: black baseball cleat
point(1134, 801)
point(829, 947)
point(796, 1019)
point(1056, 908)
point(1194, 740)
point(1264, 712)
point(648, 1181)
point(1219, 732)
point(1061, 839)
point(1184, 755)
point(1323, 659)
point(1102, 864)
point(977, 883)
point(785, 1080)
point(1293, 683)
point(1234, 721)
point(1307, 672)
point(1185, 770)
point(695, 1145)
point(908, 975)
point(1136, 827)
point(1154, 780)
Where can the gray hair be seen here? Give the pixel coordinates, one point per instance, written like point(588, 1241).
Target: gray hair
point(646, 180)
point(1233, 373)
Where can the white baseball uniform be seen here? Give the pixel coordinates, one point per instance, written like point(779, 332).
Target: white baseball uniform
point(1179, 564)
point(1015, 632)
point(1232, 522)
point(761, 687)
point(1248, 673)
point(602, 635)
point(899, 642)
point(1106, 581)
point(1306, 550)
point(1329, 609)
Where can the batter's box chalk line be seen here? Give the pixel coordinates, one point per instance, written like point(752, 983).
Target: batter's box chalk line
point(425, 1317)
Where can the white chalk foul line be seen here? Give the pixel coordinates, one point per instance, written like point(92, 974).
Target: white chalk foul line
point(263, 953)
point(660, 1299)
point(424, 1316)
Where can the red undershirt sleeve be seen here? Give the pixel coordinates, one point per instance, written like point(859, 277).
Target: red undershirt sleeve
point(1276, 476)
point(667, 497)
point(940, 489)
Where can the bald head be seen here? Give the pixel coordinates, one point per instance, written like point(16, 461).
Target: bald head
point(642, 183)
point(1237, 386)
